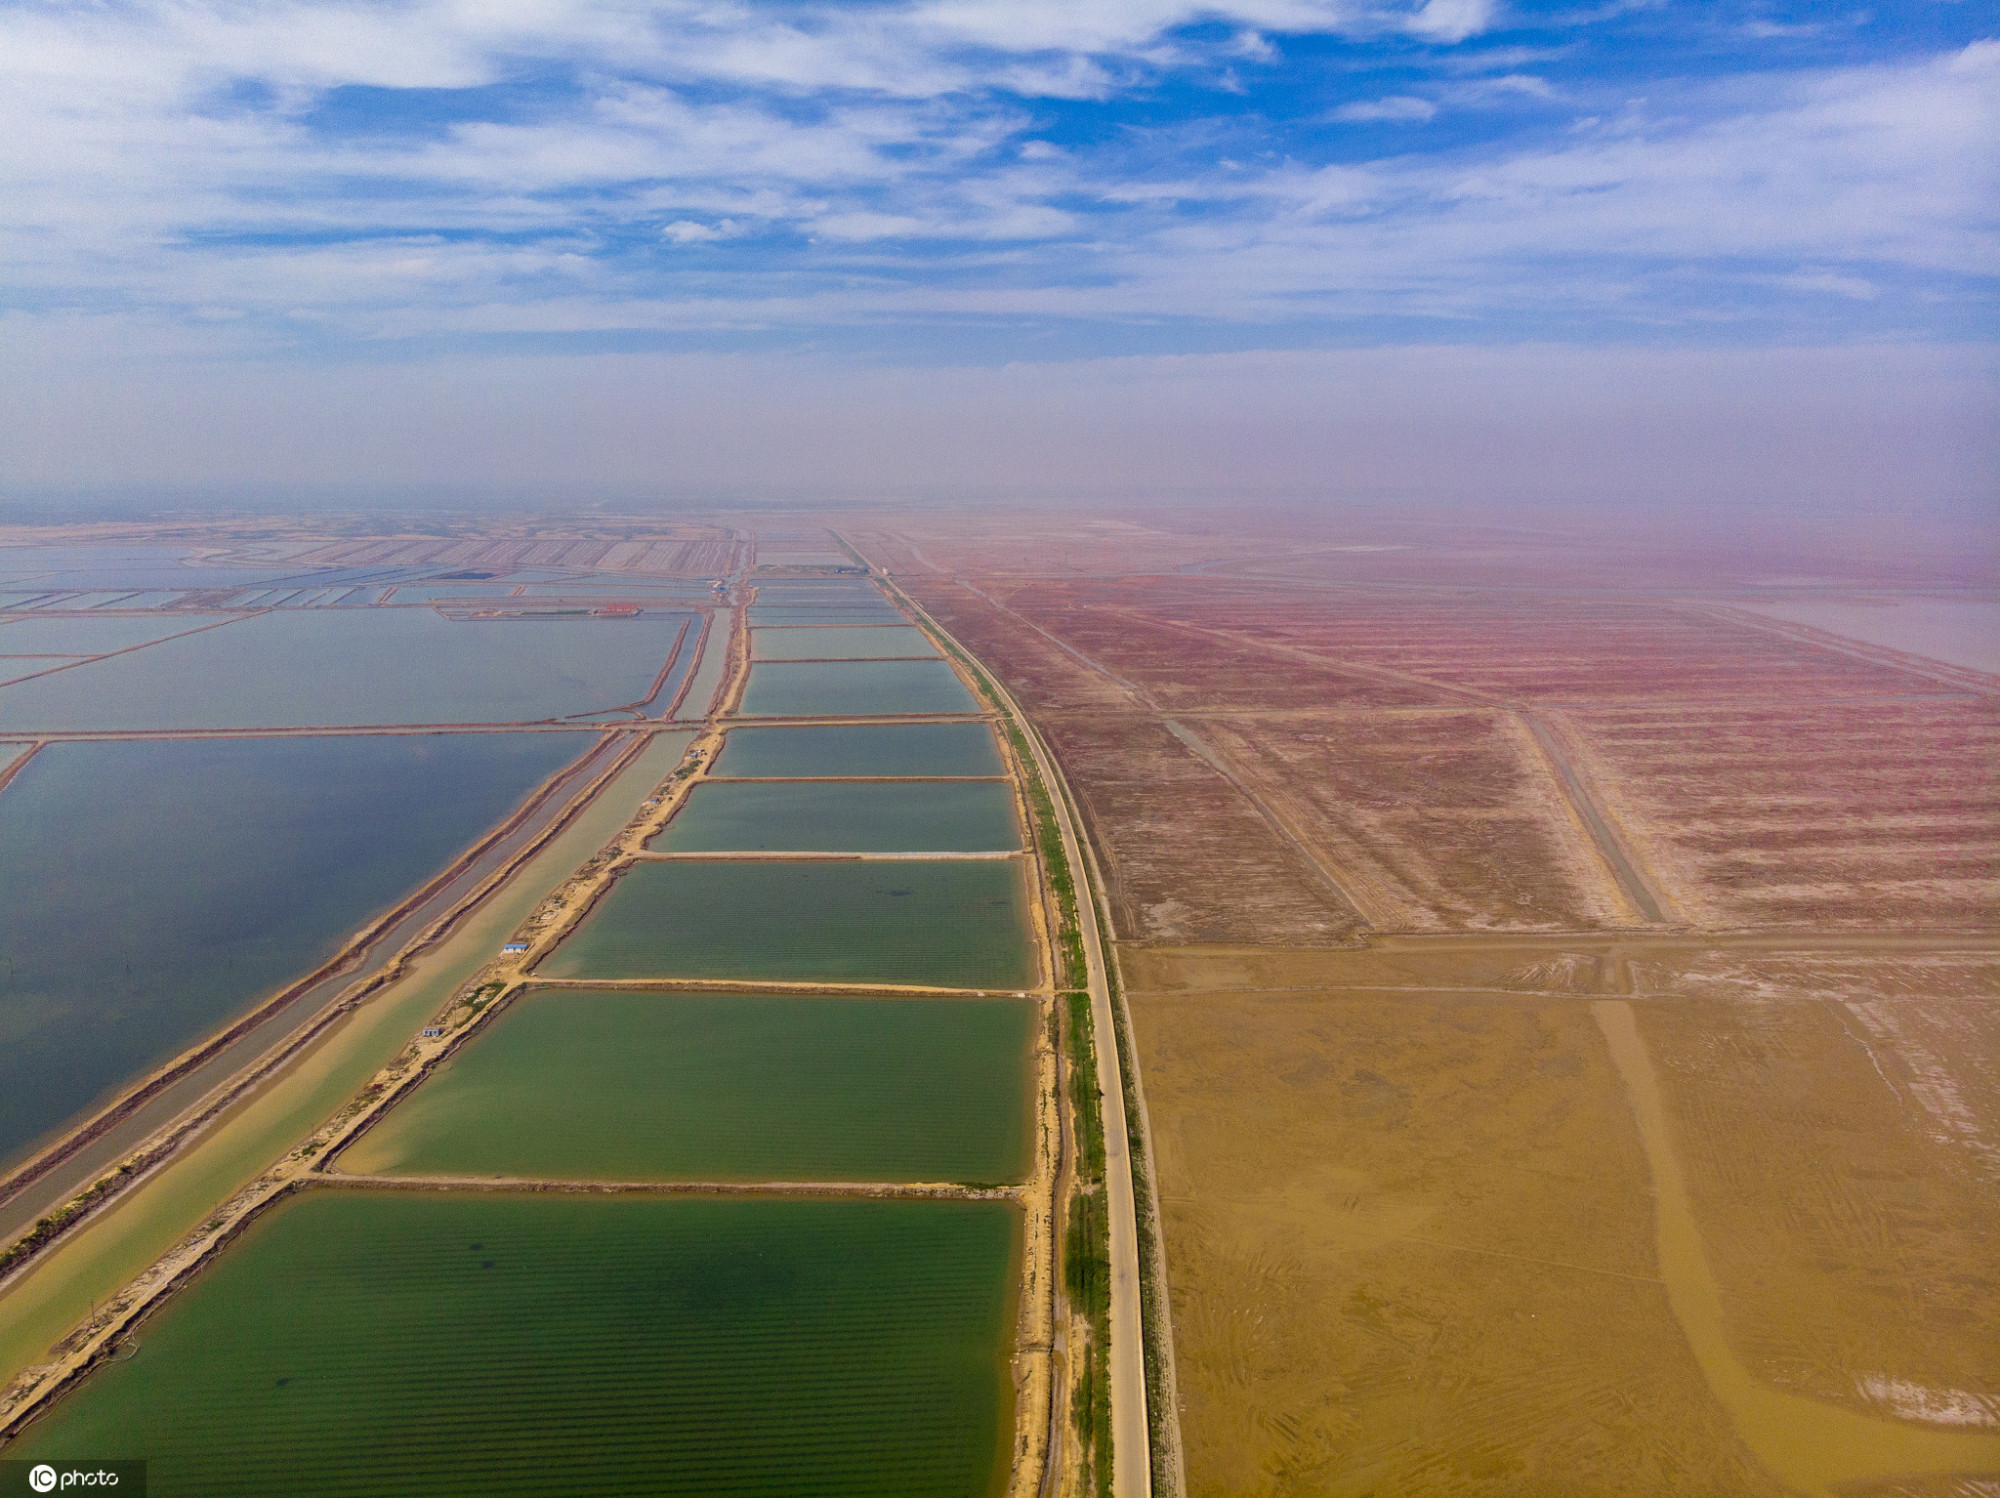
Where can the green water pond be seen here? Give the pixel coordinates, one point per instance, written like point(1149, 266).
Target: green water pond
point(619, 1086)
point(911, 816)
point(944, 924)
point(390, 1343)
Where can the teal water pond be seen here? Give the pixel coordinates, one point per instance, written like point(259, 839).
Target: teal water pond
point(847, 689)
point(861, 749)
point(886, 816)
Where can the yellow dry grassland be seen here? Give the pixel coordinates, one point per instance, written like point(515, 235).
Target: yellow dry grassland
point(1410, 1243)
point(1838, 1124)
point(1593, 1215)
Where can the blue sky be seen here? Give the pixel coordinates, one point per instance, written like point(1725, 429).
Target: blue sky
point(981, 180)
point(1052, 246)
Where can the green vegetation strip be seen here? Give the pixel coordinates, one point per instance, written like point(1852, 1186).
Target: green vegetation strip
point(622, 1086)
point(415, 1343)
point(1087, 1283)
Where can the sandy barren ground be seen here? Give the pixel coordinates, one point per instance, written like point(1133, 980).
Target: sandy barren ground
point(1872, 815)
point(1564, 1008)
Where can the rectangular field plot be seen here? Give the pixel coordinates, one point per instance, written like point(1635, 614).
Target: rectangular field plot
point(1792, 814)
point(1504, 649)
point(918, 816)
point(379, 1344)
point(941, 925)
point(861, 749)
point(853, 644)
point(1437, 820)
point(1332, 1152)
point(622, 1086)
point(348, 667)
point(786, 689)
point(1190, 858)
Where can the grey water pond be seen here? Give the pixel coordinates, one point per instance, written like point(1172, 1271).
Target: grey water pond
point(880, 643)
point(350, 667)
point(151, 889)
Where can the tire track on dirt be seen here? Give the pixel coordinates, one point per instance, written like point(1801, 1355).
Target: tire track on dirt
point(1616, 858)
point(1369, 912)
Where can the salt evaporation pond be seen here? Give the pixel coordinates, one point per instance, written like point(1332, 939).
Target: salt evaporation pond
point(943, 924)
point(378, 1344)
point(847, 689)
point(861, 749)
point(151, 889)
point(614, 1085)
point(886, 816)
point(350, 667)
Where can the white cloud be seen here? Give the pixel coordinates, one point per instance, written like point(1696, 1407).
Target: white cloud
point(1832, 283)
point(160, 155)
point(687, 231)
point(1402, 108)
point(1452, 20)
